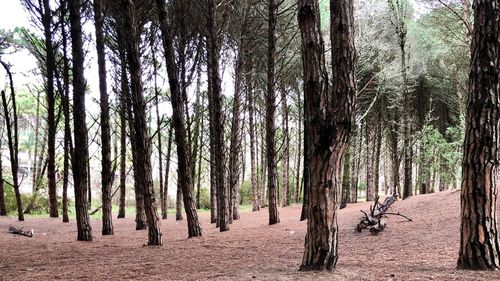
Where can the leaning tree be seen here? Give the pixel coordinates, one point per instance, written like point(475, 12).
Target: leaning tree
point(479, 242)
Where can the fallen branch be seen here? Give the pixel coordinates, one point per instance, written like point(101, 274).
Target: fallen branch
point(374, 221)
point(20, 231)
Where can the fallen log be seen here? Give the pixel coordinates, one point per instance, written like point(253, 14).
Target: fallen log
point(375, 221)
point(20, 231)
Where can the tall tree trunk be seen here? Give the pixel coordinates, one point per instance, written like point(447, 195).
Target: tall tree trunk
point(142, 140)
point(285, 182)
point(376, 157)
point(167, 172)
point(272, 177)
point(215, 102)
point(12, 138)
point(51, 122)
point(163, 200)
point(370, 194)
point(299, 148)
point(235, 149)
point(81, 154)
point(68, 145)
point(198, 184)
point(3, 209)
point(393, 141)
point(479, 241)
point(123, 140)
point(357, 164)
point(106, 175)
point(253, 138)
point(183, 163)
point(329, 116)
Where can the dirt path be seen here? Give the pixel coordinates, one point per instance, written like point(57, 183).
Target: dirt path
point(425, 249)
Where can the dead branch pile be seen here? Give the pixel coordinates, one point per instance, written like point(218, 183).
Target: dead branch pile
point(375, 222)
point(20, 231)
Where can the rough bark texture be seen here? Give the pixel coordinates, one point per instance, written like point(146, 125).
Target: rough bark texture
point(251, 128)
point(142, 140)
point(81, 155)
point(123, 139)
point(178, 202)
point(50, 95)
point(272, 177)
point(184, 170)
point(329, 117)
point(215, 102)
point(106, 175)
point(479, 241)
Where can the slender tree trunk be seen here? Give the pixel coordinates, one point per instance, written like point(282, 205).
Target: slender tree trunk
point(285, 197)
point(329, 116)
point(357, 165)
point(253, 139)
point(50, 68)
point(235, 149)
point(12, 139)
point(299, 150)
point(123, 141)
point(167, 172)
point(106, 176)
point(376, 157)
point(178, 202)
point(65, 101)
point(183, 163)
point(370, 194)
point(215, 102)
point(142, 140)
point(3, 210)
point(346, 179)
point(272, 177)
point(479, 240)
point(81, 155)
point(198, 184)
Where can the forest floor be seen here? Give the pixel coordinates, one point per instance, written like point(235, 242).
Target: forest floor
point(425, 249)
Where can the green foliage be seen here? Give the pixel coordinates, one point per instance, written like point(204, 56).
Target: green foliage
point(204, 198)
point(246, 192)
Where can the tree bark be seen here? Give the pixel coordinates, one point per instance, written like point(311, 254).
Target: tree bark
point(235, 148)
point(167, 172)
point(142, 140)
point(106, 176)
point(479, 241)
point(272, 177)
point(3, 209)
point(285, 182)
point(346, 179)
point(370, 195)
point(183, 163)
point(68, 145)
point(299, 148)
point(50, 95)
point(81, 155)
point(251, 128)
point(215, 102)
point(329, 117)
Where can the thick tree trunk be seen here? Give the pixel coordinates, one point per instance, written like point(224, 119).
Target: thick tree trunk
point(329, 117)
point(51, 122)
point(183, 163)
point(106, 175)
point(80, 155)
point(142, 140)
point(479, 241)
point(272, 177)
point(215, 102)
